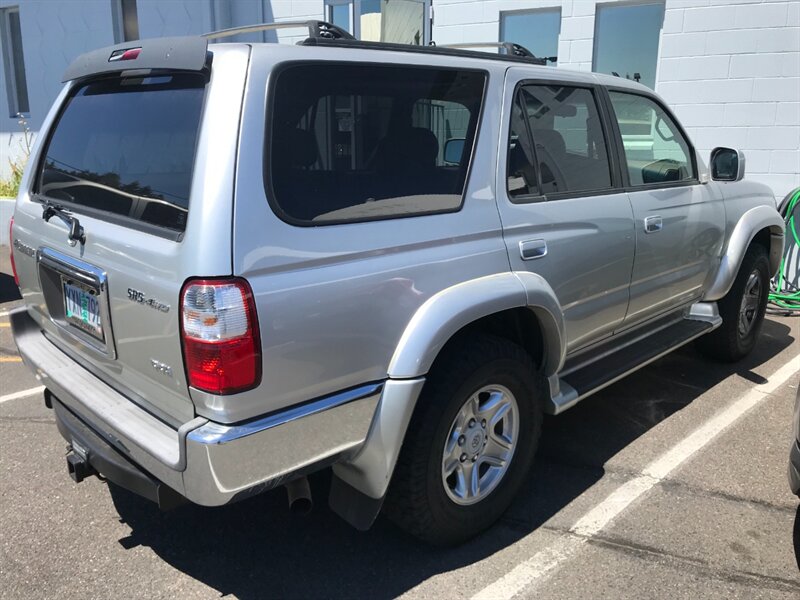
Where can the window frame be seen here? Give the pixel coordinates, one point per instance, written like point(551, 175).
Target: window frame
point(623, 164)
point(266, 162)
point(15, 107)
point(612, 149)
point(121, 33)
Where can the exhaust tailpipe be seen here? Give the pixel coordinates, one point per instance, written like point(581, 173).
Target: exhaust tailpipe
point(299, 493)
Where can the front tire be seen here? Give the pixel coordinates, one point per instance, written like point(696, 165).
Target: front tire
point(470, 443)
point(742, 310)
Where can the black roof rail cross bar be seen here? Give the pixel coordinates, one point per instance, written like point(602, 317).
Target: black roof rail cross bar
point(511, 49)
point(316, 30)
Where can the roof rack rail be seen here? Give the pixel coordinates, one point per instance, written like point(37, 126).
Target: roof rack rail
point(316, 30)
point(510, 48)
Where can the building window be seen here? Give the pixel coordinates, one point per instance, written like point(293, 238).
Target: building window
point(126, 20)
point(14, 62)
point(395, 21)
point(537, 30)
point(339, 14)
point(626, 40)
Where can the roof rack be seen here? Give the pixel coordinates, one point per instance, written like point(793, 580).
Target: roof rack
point(511, 49)
point(316, 30)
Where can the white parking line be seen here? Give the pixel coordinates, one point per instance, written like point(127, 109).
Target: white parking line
point(590, 524)
point(22, 394)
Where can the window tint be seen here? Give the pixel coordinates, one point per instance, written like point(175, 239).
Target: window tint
point(655, 149)
point(356, 142)
point(568, 142)
point(126, 146)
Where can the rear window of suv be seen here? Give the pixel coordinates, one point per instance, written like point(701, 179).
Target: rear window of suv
point(356, 142)
point(125, 147)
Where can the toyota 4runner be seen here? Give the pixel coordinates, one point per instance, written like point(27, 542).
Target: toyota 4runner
point(243, 263)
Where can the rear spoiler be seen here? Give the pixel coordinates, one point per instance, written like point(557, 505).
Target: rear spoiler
point(186, 53)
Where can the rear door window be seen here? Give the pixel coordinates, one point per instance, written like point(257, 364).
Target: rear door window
point(125, 147)
point(360, 142)
point(569, 146)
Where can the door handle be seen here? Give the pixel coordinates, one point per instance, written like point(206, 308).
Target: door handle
point(652, 224)
point(530, 249)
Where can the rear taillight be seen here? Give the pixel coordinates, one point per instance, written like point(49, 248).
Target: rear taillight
point(221, 346)
point(11, 248)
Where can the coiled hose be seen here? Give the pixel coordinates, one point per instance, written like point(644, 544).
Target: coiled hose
point(784, 296)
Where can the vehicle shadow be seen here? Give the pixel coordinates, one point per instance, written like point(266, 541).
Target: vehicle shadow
point(257, 549)
point(796, 538)
point(8, 289)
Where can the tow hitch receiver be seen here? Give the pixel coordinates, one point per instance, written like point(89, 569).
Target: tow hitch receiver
point(78, 464)
point(78, 467)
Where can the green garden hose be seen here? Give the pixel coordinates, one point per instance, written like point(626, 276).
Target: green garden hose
point(785, 295)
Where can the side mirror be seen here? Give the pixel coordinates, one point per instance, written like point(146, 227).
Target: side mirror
point(453, 151)
point(727, 164)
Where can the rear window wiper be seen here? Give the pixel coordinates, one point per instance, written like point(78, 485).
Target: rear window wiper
point(76, 233)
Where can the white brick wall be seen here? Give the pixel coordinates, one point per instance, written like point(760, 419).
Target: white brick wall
point(729, 68)
point(743, 63)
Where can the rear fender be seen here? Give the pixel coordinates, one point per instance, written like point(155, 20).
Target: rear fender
point(367, 474)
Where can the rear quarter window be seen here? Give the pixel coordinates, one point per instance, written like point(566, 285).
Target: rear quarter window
point(125, 147)
point(355, 142)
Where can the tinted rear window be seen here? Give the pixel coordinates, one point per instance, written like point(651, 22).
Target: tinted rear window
point(355, 142)
point(126, 147)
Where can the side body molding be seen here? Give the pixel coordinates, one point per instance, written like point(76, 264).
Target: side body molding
point(750, 223)
point(445, 313)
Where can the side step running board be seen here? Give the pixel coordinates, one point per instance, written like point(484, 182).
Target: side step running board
point(579, 384)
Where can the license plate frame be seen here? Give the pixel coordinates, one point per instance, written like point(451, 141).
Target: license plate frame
point(83, 307)
point(57, 269)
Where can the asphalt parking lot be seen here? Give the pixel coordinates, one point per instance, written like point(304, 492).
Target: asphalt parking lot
point(671, 483)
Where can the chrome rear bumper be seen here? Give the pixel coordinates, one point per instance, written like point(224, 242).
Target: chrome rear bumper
point(208, 463)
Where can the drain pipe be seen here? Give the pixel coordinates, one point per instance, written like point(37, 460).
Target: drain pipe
point(299, 495)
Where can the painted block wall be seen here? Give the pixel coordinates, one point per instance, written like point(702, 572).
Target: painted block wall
point(730, 69)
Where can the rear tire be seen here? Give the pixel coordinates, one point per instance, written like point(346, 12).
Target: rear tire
point(482, 401)
point(742, 310)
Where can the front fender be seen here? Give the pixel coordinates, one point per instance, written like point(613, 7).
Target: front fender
point(751, 222)
point(445, 313)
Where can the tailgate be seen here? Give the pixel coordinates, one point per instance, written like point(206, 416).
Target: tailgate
point(128, 156)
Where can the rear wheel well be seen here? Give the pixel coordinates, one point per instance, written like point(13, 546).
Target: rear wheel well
point(519, 325)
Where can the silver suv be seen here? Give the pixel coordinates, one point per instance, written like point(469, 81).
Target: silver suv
point(243, 263)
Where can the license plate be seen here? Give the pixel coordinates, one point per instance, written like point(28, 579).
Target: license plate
point(82, 309)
